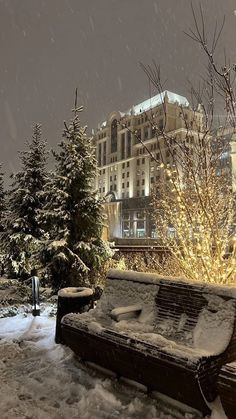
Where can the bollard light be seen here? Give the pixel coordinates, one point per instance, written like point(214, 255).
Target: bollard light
point(35, 296)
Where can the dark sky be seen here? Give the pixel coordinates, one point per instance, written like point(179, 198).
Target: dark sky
point(48, 47)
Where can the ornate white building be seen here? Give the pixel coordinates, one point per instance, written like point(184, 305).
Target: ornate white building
point(126, 169)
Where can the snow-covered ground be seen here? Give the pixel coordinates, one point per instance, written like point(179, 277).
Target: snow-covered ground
point(42, 380)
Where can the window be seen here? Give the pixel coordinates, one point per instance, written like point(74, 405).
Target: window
point(123, 185)
point(171, 233)
point(103, 189)
point(138, 193)
point(115, 187)
point(143, 160)
point(122, 146)
point(123, 165)
point(138, 182)
point(110, 178)
point(115, 177)
point(145, 133)
point(127, 195)
point(127, 174)
point(123, 175)
point(140, 232)
point(143, 192)
point(138, 162)
point(99, 154)
point(129, 144)
point(143, 181)
point(104, 171)
point(104, 153)
point(152, 179)
point(123, 195)
point(140, 215)
point(114, 136)
point(127, 184)
point(127, 164)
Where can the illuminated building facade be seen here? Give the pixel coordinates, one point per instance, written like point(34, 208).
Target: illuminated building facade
point(127, 172)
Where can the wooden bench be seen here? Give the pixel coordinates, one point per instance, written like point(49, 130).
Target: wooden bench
point(171, 335)
point(227, 389)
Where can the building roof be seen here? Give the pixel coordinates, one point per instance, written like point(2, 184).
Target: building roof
point(157, 100)
point(152, 102)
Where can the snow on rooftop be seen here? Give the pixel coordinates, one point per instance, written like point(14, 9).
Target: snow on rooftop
point(157, 100)
point(152, 102)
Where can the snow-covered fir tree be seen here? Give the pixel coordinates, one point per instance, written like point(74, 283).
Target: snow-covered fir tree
point(23, 233)
point(74, 212)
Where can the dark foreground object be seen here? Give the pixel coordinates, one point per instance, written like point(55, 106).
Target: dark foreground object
point(72, 300)
point(191, 334)
point(227, 389)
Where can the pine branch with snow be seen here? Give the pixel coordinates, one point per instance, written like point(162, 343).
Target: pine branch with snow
point(23, 235)
point(74, 211)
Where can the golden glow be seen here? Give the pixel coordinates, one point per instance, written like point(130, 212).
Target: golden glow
point(200, 208)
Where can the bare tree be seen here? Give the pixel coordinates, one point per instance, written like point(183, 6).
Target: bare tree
point(193, 202)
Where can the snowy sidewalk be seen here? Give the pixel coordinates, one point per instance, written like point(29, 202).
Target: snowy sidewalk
point(42, 380)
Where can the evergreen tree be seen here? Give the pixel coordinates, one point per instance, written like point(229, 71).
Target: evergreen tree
point(73, 210)
point(26, 197)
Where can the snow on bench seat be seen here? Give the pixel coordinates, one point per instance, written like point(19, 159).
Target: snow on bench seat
point(178, 332)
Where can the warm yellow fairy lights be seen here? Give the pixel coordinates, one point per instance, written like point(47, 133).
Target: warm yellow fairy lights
point(194, 211)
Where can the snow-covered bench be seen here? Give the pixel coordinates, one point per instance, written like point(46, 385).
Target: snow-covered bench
point(168, 334)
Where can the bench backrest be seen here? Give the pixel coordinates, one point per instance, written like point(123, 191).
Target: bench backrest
point(194, 314)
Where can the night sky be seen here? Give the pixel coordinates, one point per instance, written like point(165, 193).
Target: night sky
point(49, 47)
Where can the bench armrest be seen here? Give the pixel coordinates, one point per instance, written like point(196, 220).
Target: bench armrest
point(124, 313)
